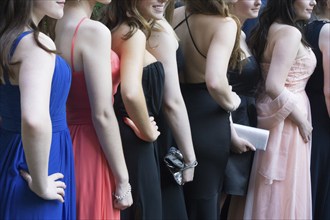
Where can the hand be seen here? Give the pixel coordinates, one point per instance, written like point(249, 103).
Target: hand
point(54, 189)
point(123, 190)
point(237, 101)
point(240, 145)
point(305, 130)
point(188, 175)
point(150, 138)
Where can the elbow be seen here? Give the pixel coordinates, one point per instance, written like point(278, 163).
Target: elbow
point(273, 91)
point(131, 95)
point(36, 124)
point(172, 105)
point(213, 86)
point(102, 117)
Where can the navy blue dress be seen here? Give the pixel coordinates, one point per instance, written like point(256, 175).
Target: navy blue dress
point(245, 84)
point(320, 165)
point(17, 201)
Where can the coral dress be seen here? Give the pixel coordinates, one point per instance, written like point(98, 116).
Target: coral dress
point(17, 201)
point(280, 184)
point(95, 183)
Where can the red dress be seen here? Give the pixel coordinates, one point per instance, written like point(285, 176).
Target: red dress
point(94, 180)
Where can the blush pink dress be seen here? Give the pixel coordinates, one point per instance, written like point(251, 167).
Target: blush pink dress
point(280, 185)
point(94, 180)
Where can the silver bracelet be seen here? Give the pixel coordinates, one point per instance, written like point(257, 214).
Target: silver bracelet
point(120, 198)
point(190, 165)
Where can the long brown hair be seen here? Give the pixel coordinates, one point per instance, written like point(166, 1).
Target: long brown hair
point(219, 7)
point(282, 10)
point(125, 11)
point(15, 16)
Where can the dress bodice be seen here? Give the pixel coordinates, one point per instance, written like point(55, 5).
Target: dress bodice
point(245, 82)
point(78, 106)
point(299, 73)
point(10, 107)
point(153, 86)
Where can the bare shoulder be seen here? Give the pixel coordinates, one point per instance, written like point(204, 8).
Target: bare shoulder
point(28, 49)
point(324, 37)
point(163, 39)
point(91, 30)
point(178, 15)
point(166, 31)
point(223, 23)
point(286, 32)
point(123, 29)
point(223, 27)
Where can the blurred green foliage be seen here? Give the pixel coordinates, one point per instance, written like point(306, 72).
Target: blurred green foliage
point(97, 10)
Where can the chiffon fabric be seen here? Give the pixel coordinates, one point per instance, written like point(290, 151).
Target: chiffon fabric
point(280, 184)
point(17, 201)
point(95, 182)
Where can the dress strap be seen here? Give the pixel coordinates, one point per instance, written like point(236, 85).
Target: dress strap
point(192, 39)
point(181, 22)
point(73, 43)
point(12, 51)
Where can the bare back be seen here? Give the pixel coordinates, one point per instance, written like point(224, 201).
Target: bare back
point(196, 33)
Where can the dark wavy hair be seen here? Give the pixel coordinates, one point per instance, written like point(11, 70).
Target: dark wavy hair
point(125, 11)
point(320, 6)
point(15, 16)
point(275, 10)
point(218, 7)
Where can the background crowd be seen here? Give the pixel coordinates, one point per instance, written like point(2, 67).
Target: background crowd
point(93, 93)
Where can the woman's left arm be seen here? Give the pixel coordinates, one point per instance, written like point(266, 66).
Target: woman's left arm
point(163, 45)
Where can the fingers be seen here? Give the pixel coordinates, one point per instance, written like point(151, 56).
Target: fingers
point(26, 176)
point(122, 205)
point(61, 192)
point(56, 176)
point(250, 146)
point(60, 184)
point(130, 123)
point(59, 198)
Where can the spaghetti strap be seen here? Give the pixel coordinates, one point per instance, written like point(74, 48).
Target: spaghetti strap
point(192, 39)
point(181, 22)
point(12, 51)
point(73, 43)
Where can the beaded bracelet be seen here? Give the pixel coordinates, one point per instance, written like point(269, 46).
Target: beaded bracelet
point(120, 198)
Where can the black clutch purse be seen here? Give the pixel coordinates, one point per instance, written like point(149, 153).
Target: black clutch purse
point(174, 162)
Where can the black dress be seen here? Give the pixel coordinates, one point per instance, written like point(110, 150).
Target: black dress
point(320, 163)
point(141, 157)
point(210, 127)
point(245, 84)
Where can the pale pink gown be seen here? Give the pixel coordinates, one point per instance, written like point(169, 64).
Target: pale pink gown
point(280, 185)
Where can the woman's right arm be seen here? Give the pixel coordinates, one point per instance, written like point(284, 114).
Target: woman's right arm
point(132, 52)
point(35, 76)
point(218, 56)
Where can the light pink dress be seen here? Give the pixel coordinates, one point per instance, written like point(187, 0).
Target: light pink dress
point(280, 186)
